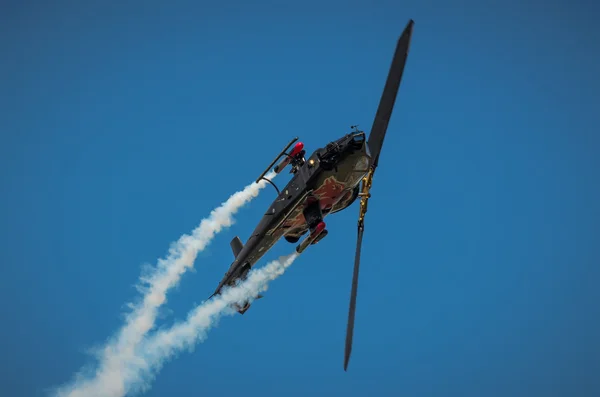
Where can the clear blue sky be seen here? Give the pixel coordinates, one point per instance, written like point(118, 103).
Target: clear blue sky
point(124, 125)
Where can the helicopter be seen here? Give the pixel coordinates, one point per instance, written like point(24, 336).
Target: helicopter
point(330, 180)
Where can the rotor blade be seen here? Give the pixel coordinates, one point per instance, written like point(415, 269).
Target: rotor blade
point(354, 291)
point(390, 91)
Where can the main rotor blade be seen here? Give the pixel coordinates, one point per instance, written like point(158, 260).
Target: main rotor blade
point(390, 91)
point(375, 142)
point(354, 291)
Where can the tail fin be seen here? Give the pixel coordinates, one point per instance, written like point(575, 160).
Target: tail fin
point(236, 246)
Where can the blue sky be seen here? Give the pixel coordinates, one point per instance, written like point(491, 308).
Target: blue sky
point(124, 125)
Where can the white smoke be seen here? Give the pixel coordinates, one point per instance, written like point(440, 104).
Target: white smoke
point(164, 344)
point(118, 355)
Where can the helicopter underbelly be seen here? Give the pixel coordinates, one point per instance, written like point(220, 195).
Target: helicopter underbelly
point(331, 188)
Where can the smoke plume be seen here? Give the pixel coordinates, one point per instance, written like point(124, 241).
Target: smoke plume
point(164, 344)
point(118, 356)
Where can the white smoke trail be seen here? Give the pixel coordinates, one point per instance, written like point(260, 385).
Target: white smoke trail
point(119, 353)
point(157, 349)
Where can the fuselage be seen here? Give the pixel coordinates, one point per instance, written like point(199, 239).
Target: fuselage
point(331, 174)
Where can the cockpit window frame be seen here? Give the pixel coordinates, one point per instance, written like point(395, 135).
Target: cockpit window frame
point(359, 134)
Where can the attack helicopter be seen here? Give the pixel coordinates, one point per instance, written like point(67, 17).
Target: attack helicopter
point(329, 181)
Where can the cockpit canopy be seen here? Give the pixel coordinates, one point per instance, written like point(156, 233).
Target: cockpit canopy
point(355, 140)
point(358, 137)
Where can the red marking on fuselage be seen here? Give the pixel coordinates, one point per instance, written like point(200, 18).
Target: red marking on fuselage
point(328, 194)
